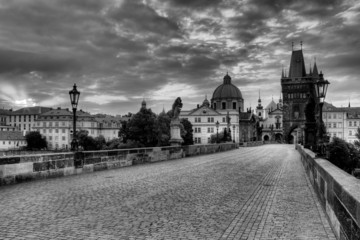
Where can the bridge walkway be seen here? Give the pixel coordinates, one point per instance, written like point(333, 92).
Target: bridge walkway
point(249, 193)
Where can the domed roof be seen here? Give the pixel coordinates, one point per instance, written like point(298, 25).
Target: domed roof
point(227, 90)
point(206, 102)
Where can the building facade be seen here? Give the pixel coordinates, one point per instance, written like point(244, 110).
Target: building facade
point(10, 140)
point(24, 119)
point(227, 108)
point(271, 120)
point(341, 122)
point(297, 88)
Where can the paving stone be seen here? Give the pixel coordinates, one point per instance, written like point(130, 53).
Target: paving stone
point(248, 193)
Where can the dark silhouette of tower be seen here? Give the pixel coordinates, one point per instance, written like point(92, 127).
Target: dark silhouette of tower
point(297, 88)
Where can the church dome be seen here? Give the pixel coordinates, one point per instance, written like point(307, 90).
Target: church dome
point(226, 90)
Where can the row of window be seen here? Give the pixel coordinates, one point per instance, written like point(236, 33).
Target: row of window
point(339, 124)
point(22, 118)
point(295, 95)
point(56, 138)
point(332, 116)
point(223, 106)
point(13, 143)
point(209, 119)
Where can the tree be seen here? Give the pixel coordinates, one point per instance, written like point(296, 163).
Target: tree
point(88, 143)
point(163, 129)
point(35, 141)
point(357, 142)
point(343, 154)
point(141, 128)
point(187, 135)
point(213, 137)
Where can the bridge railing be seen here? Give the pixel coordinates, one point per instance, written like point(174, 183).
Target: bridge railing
point(16, 169)
point(338, 191)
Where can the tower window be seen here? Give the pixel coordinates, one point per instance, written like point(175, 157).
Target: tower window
point(259, 114)
point(234, 105)
point(214, 106)
point(223, 105)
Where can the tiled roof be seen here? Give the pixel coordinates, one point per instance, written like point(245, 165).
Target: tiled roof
point(5, 112)
point(11, 135)
point(31, 110)
point(65, 114)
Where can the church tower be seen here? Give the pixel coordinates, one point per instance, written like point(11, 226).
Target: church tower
point(259, 108)
point(297, 87)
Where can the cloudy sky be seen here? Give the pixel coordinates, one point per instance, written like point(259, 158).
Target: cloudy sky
point(121, 51)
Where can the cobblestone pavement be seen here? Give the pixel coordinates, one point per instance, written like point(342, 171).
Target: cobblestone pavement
point(249, 193)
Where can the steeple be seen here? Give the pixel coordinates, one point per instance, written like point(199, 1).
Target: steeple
point(297, 65)
point(143, 104)
point(259, 106)
point(315, 70)
point(282, 73)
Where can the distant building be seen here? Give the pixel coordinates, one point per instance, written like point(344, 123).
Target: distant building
point(11, 140)
point(24, 118)
point(108, 126)
point(341, 122)
point(271, 120)
point(4, 120)
point(227, 108)
point(57, 126)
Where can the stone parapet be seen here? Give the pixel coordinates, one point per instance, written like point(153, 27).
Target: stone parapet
point(16, 169)
point(338, 192)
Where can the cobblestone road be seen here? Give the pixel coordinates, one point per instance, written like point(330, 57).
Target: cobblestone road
point(249, 193)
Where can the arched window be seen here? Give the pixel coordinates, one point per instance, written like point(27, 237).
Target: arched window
point(223, 105)
point(214, 105)
point(234, 105)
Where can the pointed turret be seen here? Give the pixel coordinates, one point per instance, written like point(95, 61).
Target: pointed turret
point(282, 73)
point(259, 106)
point(206, 102)
point(143, 104)
point(297, 65)
point(315, 71)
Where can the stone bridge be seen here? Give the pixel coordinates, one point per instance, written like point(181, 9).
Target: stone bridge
point(248, 193)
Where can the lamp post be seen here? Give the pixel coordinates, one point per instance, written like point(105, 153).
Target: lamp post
point(320, 89)
point(217, 131)
point(74, 99)
point(234, 133)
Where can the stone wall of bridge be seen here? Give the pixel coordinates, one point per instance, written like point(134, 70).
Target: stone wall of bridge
point(16, 169)
point(338, 192)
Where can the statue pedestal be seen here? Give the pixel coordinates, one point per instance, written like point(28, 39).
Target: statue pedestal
point(175, 139)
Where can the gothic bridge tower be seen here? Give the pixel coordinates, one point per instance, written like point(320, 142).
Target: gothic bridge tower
point(297, 87)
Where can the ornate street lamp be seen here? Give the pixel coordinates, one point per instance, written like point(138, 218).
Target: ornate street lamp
point(217, 131)
point(74, 99)
point(321, 88)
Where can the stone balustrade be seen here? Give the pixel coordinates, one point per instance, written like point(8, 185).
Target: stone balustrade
point(338, 191)
point(16, 169)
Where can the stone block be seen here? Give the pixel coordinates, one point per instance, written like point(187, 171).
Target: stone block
point(60, 164)
point(100, 167)
point(348, 225)
point(333, 220)
point(9, 160)
point(88, 168)
point(69, 171)
point(9, 170)
point(40, 166)
point(24, 168)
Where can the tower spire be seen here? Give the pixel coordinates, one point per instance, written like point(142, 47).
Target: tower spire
point(301, 44)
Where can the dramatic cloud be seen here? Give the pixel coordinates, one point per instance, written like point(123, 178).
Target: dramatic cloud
point(119, 52)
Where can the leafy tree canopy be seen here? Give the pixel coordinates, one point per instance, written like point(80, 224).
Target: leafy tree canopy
point(35, 141)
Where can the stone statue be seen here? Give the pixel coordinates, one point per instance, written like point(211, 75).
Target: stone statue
point(175, 125)
point(176, 108)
